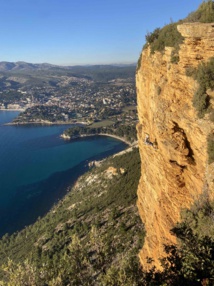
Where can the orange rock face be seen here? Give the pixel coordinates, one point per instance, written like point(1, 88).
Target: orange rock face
point(172, 140)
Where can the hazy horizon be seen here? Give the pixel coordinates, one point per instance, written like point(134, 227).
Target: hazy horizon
point(66, 65)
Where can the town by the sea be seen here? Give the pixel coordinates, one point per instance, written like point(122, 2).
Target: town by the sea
point(37, 167)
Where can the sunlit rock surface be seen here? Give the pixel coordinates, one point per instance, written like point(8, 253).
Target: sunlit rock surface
point(172, 140)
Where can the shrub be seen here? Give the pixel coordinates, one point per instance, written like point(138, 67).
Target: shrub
point(191, 71)
point(191, 261)
point(168, 36)
point(205, 74)
point(174, 57)
point(205, 78)
point(210, 148)
point(204, 14)
point(201, 101)
point(151, 37)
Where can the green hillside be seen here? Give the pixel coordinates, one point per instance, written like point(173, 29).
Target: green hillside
point(86, 235)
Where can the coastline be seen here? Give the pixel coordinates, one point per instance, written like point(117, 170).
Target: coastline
point(47, 123)
point(67, 137)
point(57, 183)
point(42, 122)
point(12, 109)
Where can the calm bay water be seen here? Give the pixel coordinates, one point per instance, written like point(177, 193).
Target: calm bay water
point(37, 166)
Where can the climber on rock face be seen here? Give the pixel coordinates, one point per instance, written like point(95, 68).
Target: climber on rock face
point(147, 141)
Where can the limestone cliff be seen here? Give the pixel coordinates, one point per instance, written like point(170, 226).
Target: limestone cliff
point(172, 139)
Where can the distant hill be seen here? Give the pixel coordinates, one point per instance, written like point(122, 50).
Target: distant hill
point(98, 73)
point(11, 66)
point(18, 66)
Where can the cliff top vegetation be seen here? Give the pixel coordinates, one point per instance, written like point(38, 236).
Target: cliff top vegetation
point(204, 14)
point(168, 36)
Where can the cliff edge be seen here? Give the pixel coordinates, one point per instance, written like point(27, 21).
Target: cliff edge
point(172, 139)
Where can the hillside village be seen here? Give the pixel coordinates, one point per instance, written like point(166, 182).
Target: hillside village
point(69, 99)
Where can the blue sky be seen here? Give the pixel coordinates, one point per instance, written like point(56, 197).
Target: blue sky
point(69, 32)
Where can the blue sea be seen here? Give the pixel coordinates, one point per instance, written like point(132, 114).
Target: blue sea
point(37, 167)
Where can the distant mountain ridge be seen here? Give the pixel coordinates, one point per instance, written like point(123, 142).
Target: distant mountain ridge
point(20, 65)
point(12, 66)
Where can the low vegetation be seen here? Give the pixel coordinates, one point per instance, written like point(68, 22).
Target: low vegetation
point(204, 75)
point(204, 14)
point(86, 237)
point(95, 257)
point(210, 148)
point(168, 36)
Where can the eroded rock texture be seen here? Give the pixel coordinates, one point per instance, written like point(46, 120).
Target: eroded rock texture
point(172, 140)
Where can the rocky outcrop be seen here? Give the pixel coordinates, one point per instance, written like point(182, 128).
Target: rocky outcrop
point(172, 140)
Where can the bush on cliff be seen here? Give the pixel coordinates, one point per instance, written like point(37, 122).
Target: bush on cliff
point(191, 262)
point(204, 75)
point(204, 14)
point(168, 36)
point(210, 148)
